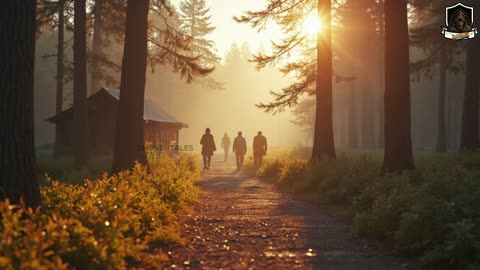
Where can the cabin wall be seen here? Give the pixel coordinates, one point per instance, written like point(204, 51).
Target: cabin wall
point(165, 136)
point(102, 122)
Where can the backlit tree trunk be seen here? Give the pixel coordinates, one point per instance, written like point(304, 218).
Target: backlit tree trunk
point(130, 125)
point(60, 72)
point(18, 174)
point(323, 143)
point(398, 144)
point(381, 79)
point(97, 46)
point(80, 109)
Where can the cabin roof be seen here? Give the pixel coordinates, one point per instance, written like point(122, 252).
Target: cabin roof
point(151, 111)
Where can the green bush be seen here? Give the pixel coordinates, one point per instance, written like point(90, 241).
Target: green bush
point(424, 226)
point(432, 212)
point(339, 181)
point(460, 248)
point(101, 224)
point(392, 196)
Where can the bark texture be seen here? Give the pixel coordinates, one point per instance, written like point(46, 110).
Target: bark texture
point(18, 174)
point(130, 126)
point(398, 144)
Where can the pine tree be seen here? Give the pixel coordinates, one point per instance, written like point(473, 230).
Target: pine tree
point(130, 125)
point(167, 46)
point(233, 57)
point(313, 70)
point(245, 51)
point(195, 22)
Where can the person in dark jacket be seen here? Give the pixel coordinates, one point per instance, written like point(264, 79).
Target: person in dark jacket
point(240, 149)
point(259, 149)
point(226, 145)
point(208, 147)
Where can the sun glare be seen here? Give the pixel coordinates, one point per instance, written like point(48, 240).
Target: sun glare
point(312, 25)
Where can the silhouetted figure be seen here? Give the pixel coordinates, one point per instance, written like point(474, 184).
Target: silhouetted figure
point(240, 149)
point(259, 149)
point(208, 147)
point(226, 145)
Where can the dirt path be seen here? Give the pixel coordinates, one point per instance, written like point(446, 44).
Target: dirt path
point(244, 223)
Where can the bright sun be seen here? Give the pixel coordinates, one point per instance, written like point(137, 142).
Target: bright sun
point(312, 25)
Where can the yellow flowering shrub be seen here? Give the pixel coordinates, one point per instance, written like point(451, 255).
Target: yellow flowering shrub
point(116, 222)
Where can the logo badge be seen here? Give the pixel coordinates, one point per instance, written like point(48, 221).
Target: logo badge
point(460, 22)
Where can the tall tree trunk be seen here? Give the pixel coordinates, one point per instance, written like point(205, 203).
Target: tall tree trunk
point(381, 79)
point(323, 142)
point(130, 125)
point(469, 139)
point(352, 117)
point(367, 78)
point(398, 144)
point(60, 72)
point(80, 107)
point(441, 125)
point(97, 46)
point(18, 173)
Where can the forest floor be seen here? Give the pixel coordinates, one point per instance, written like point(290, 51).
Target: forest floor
point(243, 222)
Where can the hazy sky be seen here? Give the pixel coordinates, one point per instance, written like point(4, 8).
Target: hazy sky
point(228, 31)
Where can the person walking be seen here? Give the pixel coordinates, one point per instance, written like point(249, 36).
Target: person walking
point(208, 147)
point(240, 149)
point(259, 149)
point(226, 145)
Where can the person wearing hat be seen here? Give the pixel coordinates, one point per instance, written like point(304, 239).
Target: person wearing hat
point(240, 149)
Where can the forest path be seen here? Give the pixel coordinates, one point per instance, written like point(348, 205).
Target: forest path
point(244, 223)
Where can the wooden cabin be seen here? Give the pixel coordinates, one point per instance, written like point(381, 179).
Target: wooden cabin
point(161, 128)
